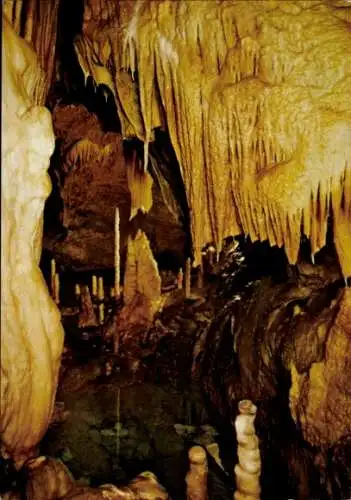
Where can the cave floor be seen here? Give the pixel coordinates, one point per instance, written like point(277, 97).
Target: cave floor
point(120, 417)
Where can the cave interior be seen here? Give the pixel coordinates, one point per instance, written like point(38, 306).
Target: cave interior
point(176, 250)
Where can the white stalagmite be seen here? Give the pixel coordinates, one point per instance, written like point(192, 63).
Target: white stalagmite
point(31, 331)
point(248, 470)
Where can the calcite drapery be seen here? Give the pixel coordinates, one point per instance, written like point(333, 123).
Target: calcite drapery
point(36, 22)
point(259, 117)
point(31, 332)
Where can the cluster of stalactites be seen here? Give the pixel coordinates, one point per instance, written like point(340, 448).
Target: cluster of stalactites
point(256, 99)
point(36, 22)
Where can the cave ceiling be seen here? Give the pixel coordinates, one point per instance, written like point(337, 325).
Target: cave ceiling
point(255, 97)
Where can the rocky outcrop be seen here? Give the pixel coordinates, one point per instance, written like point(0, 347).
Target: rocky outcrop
point(49, 479)
point(31, 332)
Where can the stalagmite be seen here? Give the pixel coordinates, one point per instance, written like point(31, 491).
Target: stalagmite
point(187, 277)
point(196, 479)
point(87, 318)
point(180, 278)
point(141, 289)
point(101, 289)
point(117, 255)
point(52, 276)
point(141, 276)
point(101, 313)
point(247, 471)
point(94, 287)
point(31, 332)
point(56, 294)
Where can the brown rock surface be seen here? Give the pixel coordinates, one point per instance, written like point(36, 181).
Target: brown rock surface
point(94, 176)
point(285, 344)
point(320, 398)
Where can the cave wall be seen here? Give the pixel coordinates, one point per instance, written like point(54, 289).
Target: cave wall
point(31, 331)
point(283, 341)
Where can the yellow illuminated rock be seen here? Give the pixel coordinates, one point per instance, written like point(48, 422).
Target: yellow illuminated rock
point(31, 332)
point(259, 118)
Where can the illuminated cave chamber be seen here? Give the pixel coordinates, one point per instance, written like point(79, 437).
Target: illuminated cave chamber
point(218, 136)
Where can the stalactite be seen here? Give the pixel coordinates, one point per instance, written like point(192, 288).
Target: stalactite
point(140, 186)
point(247, 121)
point(36, 21)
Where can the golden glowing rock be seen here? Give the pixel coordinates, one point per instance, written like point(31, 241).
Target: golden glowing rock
point(36, 22)
point(31, 332)
point(141, 276)
point(257, 100)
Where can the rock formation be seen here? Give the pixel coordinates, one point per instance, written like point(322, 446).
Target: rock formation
point(141, 291)
point(320, 395)
point(249, 164)
point(92, 175)
point(284, 342)
point(31, 332)
point(248, 469)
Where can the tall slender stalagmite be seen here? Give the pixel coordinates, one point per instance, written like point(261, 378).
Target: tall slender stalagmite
point(117, 255)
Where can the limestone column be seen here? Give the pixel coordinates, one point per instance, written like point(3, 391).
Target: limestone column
point(31, 331)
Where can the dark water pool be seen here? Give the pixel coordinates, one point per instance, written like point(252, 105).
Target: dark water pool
point(114, 431)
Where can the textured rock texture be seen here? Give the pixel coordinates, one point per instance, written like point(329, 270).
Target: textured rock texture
point(31, 332)
point(320, 396)
point(141, 291)
point(259, 118)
